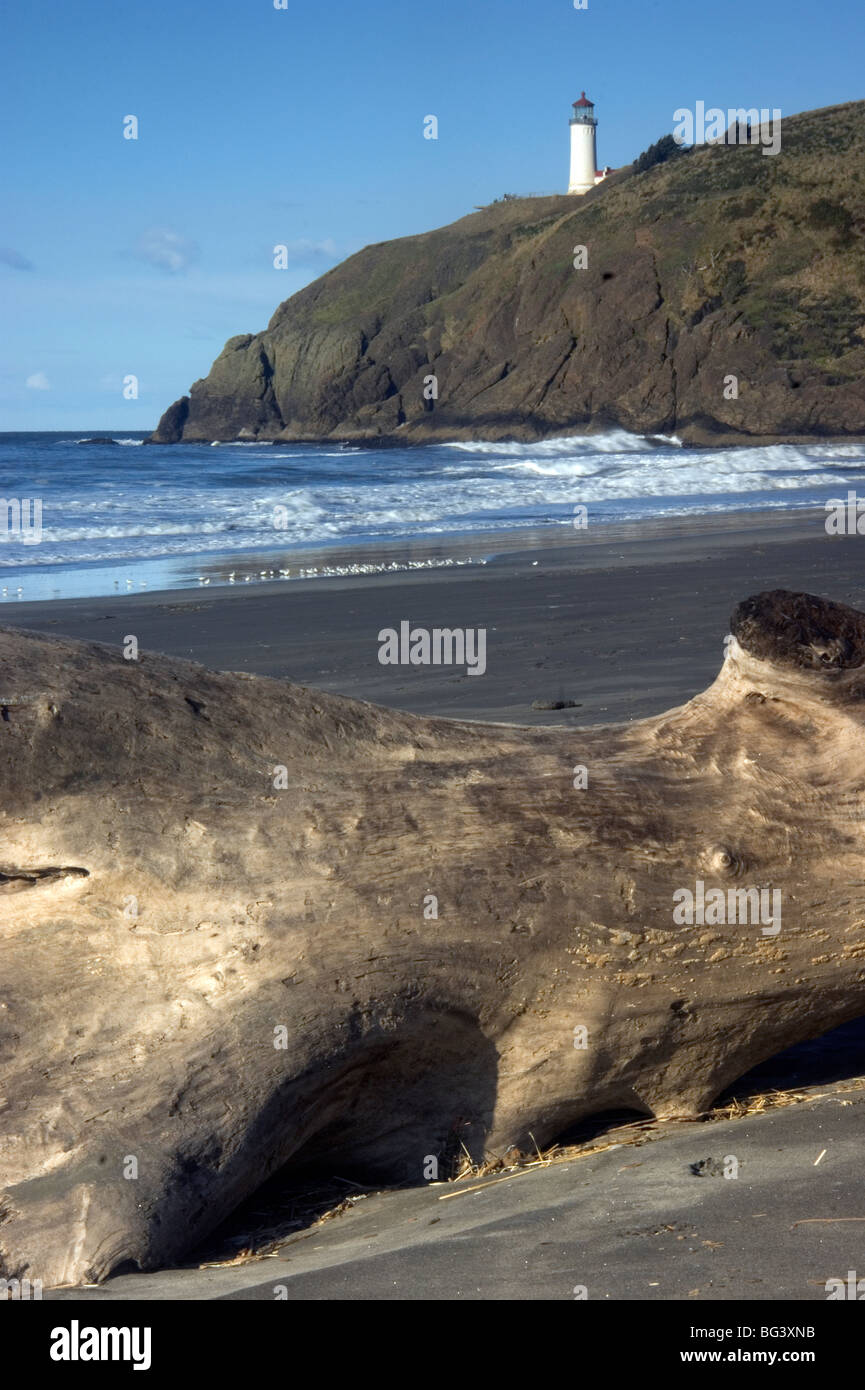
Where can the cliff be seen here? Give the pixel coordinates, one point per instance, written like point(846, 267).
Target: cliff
point(722, 262)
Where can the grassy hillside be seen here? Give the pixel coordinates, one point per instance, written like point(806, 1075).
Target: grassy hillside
point(722, 262)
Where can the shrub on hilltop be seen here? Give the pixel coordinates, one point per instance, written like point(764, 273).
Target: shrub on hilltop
point(662, 150)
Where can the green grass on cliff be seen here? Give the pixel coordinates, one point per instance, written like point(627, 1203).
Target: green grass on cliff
point(722, 253)
point(792, 227)
point(783, 237)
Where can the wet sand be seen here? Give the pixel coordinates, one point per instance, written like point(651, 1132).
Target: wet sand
point(626, 621)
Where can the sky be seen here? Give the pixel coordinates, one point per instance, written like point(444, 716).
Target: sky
point(303, 126)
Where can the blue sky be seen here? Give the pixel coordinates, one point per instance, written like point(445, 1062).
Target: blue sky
point(304, 126)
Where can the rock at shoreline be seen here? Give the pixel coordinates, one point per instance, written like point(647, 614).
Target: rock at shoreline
point(724, 300)
point(555, 704)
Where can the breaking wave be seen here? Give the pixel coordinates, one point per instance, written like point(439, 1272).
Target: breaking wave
point(102, 503)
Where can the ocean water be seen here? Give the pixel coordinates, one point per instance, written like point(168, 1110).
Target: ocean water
point(122, 515)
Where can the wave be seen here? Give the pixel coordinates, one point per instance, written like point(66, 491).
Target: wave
point(107, 439)
point(612, 442)
point(191, 501)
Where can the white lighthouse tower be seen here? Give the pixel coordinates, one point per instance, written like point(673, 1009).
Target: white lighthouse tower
point(584, 154)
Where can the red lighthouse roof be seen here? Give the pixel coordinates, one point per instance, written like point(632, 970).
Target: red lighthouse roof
point(583, 101)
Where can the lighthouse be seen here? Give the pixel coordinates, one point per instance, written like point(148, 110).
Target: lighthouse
point(584, 154)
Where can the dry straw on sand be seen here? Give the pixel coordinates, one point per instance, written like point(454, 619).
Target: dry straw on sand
point(324, 1203)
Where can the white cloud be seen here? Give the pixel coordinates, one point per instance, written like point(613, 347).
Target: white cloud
point(111, 383)
point(166, 250)
point(305, 251)
point(38, 381)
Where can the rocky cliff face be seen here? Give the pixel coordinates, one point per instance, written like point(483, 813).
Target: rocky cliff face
point(724, 263)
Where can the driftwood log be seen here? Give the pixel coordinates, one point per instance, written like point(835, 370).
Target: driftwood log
point(206, 974)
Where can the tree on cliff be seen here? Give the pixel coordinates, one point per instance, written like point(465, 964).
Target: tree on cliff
point(662, 150)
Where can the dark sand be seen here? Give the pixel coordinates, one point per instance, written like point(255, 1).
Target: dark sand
point(634, 1222)
point(627, 621)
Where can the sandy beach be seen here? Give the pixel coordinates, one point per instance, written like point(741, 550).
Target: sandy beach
point(624, 620)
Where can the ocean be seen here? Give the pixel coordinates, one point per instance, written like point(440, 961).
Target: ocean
point(120, 516)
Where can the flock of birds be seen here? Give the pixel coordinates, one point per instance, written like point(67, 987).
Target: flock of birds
point(329, 571)
point(307, 572)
